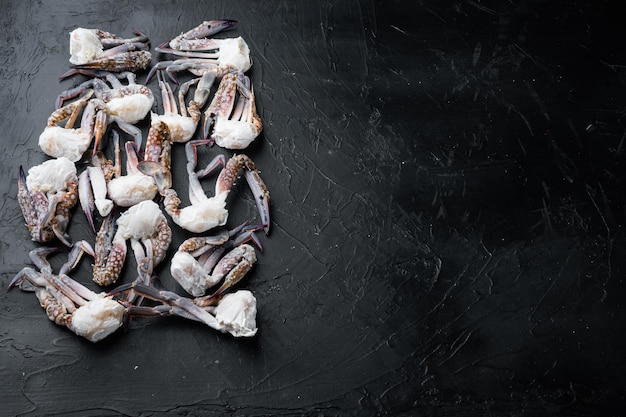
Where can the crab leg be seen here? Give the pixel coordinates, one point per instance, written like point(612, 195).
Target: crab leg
point(110, 253)
point(110, 39)
point(173, 304)
point(76, 254)
point(192, 39)
point(29, 204)
point(157, 157)
point(228, 176)
point(133, 58)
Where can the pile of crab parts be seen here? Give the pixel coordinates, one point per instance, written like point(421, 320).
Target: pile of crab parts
point(207, 265)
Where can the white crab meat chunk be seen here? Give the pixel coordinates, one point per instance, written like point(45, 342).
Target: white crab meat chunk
point(234, 134)
point(236, 314)
point(234, 53)
point(131, 108)
point(57, 141)
point(190, 275)
point(140, 221)
point(98, 318)
point(204, 215)
point(181, 128)
point(50, 176)
point(131, 189)
point(85, 46)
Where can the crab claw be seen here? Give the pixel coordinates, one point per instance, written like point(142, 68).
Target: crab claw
point(110, 253)
point(85, 195)
point(228, 176)
point(196, 278)
point(162, 176)
point(192, 39)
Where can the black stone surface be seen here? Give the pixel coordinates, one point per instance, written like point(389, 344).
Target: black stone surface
point(447, 183)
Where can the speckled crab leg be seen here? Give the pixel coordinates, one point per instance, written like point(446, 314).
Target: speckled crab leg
point(110, 253)
point(157, 156)
point(196, 39)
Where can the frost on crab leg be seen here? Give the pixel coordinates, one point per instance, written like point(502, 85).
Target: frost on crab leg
point(198, 263)
point(232, 113)
point(46, 197)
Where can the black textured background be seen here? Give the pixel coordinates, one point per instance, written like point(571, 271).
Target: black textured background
point(447, 182)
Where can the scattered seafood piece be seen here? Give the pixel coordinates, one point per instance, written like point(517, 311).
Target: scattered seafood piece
point(100, 50)
point(92, 183)
point(198, 264)
point(235, 120)
point(182, 124)
point(67, 302)
point(146, 227)
point(227, 55)
point(46, 197)
point(134, 187)
point(233, 313)
point(158, 156)
point(102, 185)
point(130, 103)
point(65, 141)
point(206, 213)
point(95, 316)
point(236, 313)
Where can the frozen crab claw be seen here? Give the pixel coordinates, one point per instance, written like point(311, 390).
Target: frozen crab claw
point(46, 196)
point(182, 123)
point(196, 38)
point(232, 113)
point(93, 182)
point(103, 186)
point(97, 49)
point(200, 55)
point(206, 213)
point(198, 264)
point(233, 313)
point(66, 141)
point(145, 226)
point(134, 187)
point(158, 156)
point(128, 103)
